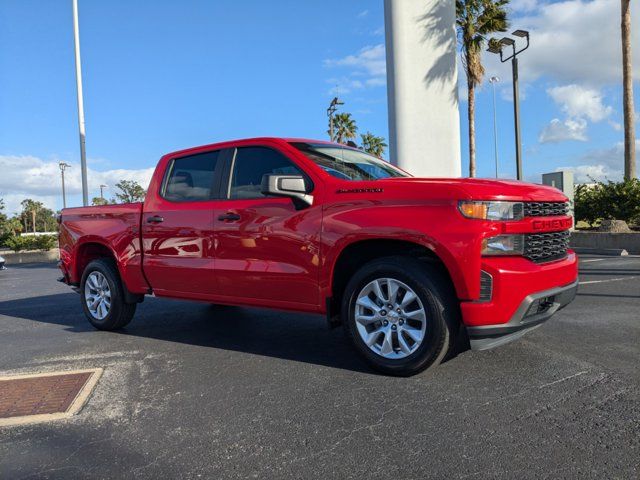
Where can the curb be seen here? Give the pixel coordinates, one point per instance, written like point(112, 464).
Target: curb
point(609, 252)
point(22, 258)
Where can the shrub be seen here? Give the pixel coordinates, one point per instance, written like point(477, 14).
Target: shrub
point(608, 201)
point(40, 242)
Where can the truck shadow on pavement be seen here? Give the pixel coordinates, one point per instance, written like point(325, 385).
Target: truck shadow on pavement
point(298, 337)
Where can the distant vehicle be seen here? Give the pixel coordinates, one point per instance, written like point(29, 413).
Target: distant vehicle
point(2, 267)
point(407, 265)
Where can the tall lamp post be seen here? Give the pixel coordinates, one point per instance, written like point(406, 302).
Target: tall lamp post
point(333, 106)
point(498, 48)
point(101, 190)
point(493, 81)
point(83, 154)
point(63, 166)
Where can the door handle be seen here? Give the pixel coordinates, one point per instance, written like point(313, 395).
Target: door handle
point(229, 216)
point(155, 219)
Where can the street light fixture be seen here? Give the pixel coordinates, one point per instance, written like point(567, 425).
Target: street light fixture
point(333, 106)
point(63, 166)
point(101, 189)
point(493, 81)
point(497, 47)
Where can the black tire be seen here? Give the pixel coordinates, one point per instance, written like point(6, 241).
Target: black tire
point(441, 306)
point(120, 313)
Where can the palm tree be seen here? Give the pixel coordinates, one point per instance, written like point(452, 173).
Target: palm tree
point(629, 112)
point(345, 127)
point(373, 144)
point(475, 20)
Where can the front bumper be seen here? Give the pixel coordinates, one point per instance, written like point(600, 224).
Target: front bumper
point(534, 310)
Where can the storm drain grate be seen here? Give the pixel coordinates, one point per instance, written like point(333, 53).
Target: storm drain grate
point(44, 396)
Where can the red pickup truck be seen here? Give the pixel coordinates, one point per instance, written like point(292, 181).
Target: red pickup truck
point(409, 266)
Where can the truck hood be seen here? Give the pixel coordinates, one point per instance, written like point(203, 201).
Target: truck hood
point(473, 188)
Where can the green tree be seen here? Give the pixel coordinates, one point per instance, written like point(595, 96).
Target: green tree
point(99, 201)
point(344, 127)
point(45, 218)
point(475, 20)
point(373, 144)
point(130, 191)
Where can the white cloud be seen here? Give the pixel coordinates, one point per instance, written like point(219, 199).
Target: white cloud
point(363, 13)
point(578, 101)
point(369, 62)
point(600, 164)
point(561, 131)
point(592, 173)
point(572, 41)
point(31, 177)
point(378, 32)
point(523, 5)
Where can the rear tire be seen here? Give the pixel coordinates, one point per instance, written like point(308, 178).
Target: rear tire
point(401, 314)
point(102, 296)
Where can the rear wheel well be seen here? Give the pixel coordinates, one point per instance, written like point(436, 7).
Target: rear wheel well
point(354, 256)
point(89, 252)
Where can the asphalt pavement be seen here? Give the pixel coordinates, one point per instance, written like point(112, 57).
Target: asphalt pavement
point(196, 391)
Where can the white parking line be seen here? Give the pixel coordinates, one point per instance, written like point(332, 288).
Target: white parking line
point(608, 280)
point(591, 260)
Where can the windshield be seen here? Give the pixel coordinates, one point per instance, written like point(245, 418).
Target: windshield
point(347, 163)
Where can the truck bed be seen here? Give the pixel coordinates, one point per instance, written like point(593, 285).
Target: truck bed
point(116, 227)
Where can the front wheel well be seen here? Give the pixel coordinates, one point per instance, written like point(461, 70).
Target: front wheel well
point(354, 256)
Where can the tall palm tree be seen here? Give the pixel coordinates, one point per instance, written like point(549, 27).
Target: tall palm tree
point(344, 127)
point(373, 144)
point(629, 112)
point(475, 20)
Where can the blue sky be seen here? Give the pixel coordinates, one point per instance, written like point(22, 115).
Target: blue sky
point(165, 75)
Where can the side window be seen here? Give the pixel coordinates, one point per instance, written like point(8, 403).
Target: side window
point(191, 178)
point(250, 164)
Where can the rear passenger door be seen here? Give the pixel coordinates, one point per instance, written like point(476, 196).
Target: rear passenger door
point(267, 251)
point(177, 226)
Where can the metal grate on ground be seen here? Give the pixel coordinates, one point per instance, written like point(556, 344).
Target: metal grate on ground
point(41, 397)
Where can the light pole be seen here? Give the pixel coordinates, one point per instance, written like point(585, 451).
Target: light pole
point(498, 47)
point(493, 81)
point(63, 166)
point(101, 188)
point(333, 106)
point(83, 154)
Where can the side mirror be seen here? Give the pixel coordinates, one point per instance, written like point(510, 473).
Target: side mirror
point(294, 186)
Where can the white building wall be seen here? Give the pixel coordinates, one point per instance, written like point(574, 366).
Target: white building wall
point(422, 77)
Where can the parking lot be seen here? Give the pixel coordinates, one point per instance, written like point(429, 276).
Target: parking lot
point(197, 391)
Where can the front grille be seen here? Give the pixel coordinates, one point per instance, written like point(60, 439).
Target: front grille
point(545, 209)
point(546, 247)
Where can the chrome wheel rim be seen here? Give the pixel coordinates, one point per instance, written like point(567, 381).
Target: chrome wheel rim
point(390, 318)
point(97, 295)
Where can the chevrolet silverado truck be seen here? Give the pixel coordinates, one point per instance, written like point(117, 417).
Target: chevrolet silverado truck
point(409, 266)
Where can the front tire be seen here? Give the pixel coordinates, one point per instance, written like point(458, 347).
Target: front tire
point(102, 296)
point(401, 315)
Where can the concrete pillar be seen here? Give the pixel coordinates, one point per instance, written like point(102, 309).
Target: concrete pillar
point(422, 90)
point(563, 181)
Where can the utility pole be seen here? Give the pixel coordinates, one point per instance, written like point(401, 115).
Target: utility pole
point(627, 89)
point(498, 49)
point(83, 155)
point(493, 81)
point(63, 166)
point(333, 106)
point(101, 194)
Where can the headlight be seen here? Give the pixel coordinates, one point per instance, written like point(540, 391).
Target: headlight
point(492, 210)
point(503, 245)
